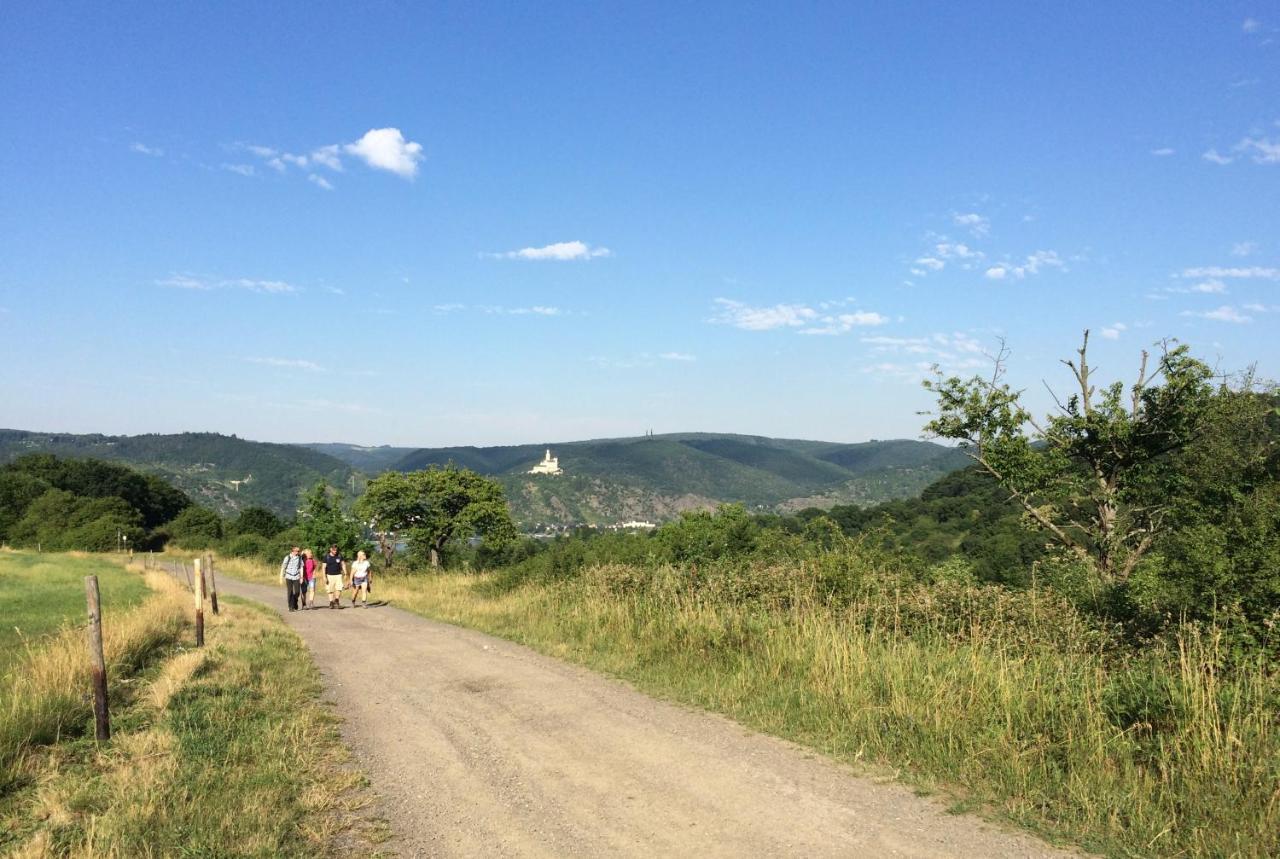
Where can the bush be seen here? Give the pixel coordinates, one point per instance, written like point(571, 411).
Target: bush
point(195, 528)
point(248, 546)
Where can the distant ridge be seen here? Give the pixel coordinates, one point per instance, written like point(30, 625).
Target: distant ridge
point(605, 481)
point(219, 471)
point(656, 477)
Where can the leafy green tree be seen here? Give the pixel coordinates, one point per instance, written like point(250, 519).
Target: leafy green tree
point(699, 537)
point(155, 500)
point(1095, 475)
point(435, 508)
point(258, 521)
point(17, 490)
point(323, 522)
point(60, 520)
point(195, 528)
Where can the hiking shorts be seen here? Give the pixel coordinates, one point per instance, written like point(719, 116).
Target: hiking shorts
point(333, 584)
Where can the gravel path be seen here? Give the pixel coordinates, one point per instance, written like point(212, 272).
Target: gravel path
point(481, 747)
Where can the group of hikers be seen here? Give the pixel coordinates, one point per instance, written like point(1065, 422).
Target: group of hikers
point(298, 572)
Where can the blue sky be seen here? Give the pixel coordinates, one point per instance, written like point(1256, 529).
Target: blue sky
point(503, 223)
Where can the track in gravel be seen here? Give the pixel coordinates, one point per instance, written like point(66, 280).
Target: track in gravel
point(481, 747)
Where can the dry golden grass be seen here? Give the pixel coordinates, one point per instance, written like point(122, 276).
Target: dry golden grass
point(225, 751)
point(42, 697)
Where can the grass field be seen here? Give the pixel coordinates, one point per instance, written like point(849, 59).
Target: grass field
point(39, 593)
point(223, 751)
point(999, 700)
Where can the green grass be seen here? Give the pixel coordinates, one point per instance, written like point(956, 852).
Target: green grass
point(225, 751)
point(1004, 702)
point(39, 593)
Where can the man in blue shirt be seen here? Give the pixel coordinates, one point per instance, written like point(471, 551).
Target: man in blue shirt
point(291, 575)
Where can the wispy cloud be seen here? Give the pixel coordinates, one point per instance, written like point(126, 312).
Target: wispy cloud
point(806, 319)
point(739, 315)
point(843, 323)
point(1033, 265)
point(144, 149)
point(1243, 272)
point(1251, 25)
point(379, 148)
point(1261, 150)
point(677, 356)
point(1214, 157)
point(559, 251)
point(975, 223)
point(500, 309)
point(1163, 151)
point(194, 282)
point(1225, 313)
point(954, 353)
point(242, 169)
point(1113, 331)
point(1244, 249)
point(287, 363)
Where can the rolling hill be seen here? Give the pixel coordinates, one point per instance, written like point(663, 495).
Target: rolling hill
point(218, 471)
point(656, 477)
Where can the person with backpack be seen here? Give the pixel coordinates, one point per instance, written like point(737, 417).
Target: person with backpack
point(291, 572)
point(334, 571)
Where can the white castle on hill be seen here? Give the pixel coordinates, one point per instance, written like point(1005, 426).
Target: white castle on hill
point(549, 465)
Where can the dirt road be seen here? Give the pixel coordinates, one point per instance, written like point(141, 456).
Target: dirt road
point(480, 747)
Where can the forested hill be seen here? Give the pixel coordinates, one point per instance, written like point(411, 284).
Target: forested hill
point(218, 471)
point(655, 477)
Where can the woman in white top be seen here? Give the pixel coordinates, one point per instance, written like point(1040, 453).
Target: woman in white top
point(360, 580)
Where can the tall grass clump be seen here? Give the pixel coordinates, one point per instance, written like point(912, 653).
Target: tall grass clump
point(43, 693)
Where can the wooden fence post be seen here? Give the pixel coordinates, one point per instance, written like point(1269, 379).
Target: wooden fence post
point(198, 578)
point(213, 584)
point(101, 717)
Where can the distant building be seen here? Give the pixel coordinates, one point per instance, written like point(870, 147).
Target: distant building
point(549, 465)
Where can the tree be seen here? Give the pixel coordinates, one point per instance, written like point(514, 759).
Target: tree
point(435, 508)
point(324, 524)
point(257, 520)
point(195, 528)
point(1099, 475)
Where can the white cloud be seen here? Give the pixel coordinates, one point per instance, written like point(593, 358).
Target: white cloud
point(500, 310)
point(287, 363)
point(1162, 151)
point(930, 263)
point(1225, 313)
point(386, 149)
point(187, 281)
point(843, 323)
point(1213, 156)
point(560, 251)
point(1251, 25)
point(1262, 150)
point(956, 250)
point(1033, 265)
point(322, 182)
point(327, 156)
point(956, 352)
point(1213, 285)
point(677, 356)
point(748, 318)
point(977, 224)
point(1253, 271)
point(1243, 249)
point(143, 149)
point(536, 310)
point(1112, 332)
point(1261, 308)
point(242, 169)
